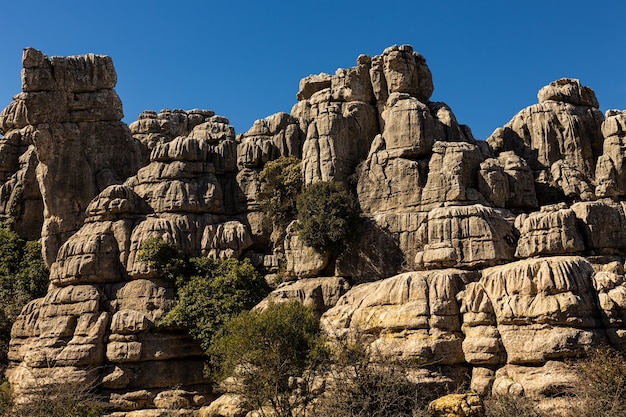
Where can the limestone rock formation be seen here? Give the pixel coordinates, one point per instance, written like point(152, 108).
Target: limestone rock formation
point(70, 113)
point(560, 138)
point(489, 263)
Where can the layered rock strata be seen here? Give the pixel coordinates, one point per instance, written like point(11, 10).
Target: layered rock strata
point(486, 262)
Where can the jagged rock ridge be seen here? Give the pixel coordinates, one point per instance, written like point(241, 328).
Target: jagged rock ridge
point(491, 259)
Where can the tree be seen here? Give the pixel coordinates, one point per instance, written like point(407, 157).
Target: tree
point(281, 182)
point(327, 216)
point(272, 355)
point(218, 290)
point(209, 291)
point(23, 277)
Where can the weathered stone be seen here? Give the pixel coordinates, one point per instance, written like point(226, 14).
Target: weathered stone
point(551, 231)
point(465, 236)
point(411, 316)
point(610, 170)
point(318, 293)
point(560, 139)
point(544, 308)
point(507, 181)
point(227, 405)
point(268, 139)
point(457, 405)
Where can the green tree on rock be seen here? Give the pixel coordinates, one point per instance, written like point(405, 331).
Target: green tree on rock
point(281, 183)
point(272, 356)
point(327, 216)
point(209, 291)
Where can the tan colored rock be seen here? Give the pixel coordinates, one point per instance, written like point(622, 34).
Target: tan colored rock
point(609, 283)
point(401, 70)
point(337, 137)
point(468, 236)
point(507, 181)
point(268, 139)
point(320, 294)
point(452, 174)
point(388, 184)
point(302, 261)
point(551, 379)
point(610, 172)
point(457, 405)
point(482, 345)
point(410, 316)
point(568, 90)
point(544, 308)
point(353, 84)
point(602, 226)
point(70, 101)
point(227, 405)
point(312, 84)
point(409, 127)
point(551, 231)
point(560, 139)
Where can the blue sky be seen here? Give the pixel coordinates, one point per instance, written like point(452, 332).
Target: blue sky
point(244, 59)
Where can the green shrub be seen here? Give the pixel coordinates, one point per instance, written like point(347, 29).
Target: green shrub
point(281, 182)
point(272, 355)
point(164, 257)
point(23, 277)
point(327, 216)
point(218, 291)
point(209, 291)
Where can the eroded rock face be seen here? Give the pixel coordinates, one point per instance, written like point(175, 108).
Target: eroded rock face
point(69, 111)
point(459, 261)
point(560, 138)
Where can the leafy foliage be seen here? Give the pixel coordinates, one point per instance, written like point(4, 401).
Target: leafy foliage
point(209, 291)
point(281, 182)
point(218, 290)
point(23, 277)
point(164, 257)
point(327, 215)
point(272, 355)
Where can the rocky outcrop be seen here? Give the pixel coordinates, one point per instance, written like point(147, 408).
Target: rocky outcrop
point(69, 111)
point(560, 138)
point(486, 262)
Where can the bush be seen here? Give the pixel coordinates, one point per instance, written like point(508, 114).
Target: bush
point(272, 355)
point(61, 399)
point(281, 182)
point(359, 386)
point(601, 385)
point(23, 277)
point(510, 405)
point(218, 291)
point(327, 216)
point(209, 291)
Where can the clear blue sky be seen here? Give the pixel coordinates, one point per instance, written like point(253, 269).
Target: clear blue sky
point(244, 59)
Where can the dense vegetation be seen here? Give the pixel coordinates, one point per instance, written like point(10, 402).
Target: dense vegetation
point(273, 354)
point(327, 216)
point(281, 183)
point(23, 277)
point(209, 291)
point(326, 211)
